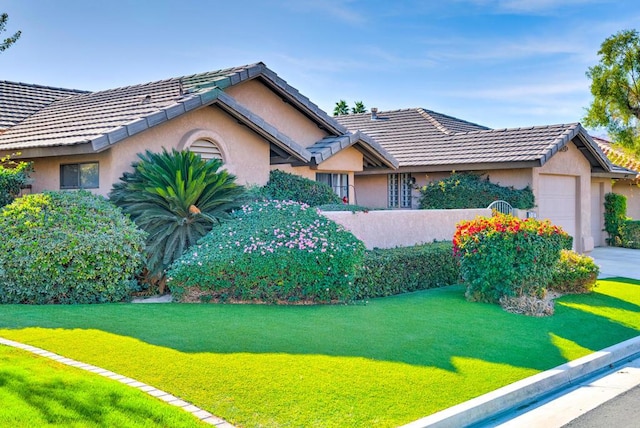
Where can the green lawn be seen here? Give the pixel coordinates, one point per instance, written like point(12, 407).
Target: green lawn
point(385, 363)
point(38, 392)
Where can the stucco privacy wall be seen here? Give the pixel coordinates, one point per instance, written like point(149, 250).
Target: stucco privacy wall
point(401, 228)
point(245, 154)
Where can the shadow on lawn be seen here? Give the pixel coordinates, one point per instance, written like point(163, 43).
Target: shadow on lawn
point(425, 328)
point(65, 403)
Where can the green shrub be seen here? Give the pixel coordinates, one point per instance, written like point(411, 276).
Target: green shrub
point(386, 272)
point(615, 214)
point(289, 187)
point(176, 197)
point(574, 273)
point(13, 177)
point(465, 190)
point(67, 247)
point(630, 234)
point(273, 252)
point(506, 256)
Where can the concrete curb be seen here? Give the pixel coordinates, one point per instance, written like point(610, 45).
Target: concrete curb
point(528, 390)
point(203, 415)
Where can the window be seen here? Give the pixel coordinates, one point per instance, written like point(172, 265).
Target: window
point(399, 188)
point(338, 182)
point(79, 176)
point(206, 149)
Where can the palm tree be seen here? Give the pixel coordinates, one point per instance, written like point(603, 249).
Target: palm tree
point(176, 198)
point(341, 108)
point(358, 108)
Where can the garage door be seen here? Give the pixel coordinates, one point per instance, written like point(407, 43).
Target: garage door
point(557, 201)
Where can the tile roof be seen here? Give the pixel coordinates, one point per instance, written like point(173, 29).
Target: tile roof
point(374, 154)
point(20, 100)
point(59, 117)
point(419, 137)
point(621, 159)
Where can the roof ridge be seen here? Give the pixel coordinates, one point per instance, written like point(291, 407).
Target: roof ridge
point(228, 70)
point(520, 128)
point(35, 85)
point(439, 126)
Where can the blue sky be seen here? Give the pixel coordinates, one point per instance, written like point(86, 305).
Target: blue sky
point(499, 63)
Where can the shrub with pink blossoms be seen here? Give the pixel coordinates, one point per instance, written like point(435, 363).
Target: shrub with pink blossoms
point(273, 251)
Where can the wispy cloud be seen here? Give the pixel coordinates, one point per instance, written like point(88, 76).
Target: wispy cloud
point(527, 7)
point(336, 9)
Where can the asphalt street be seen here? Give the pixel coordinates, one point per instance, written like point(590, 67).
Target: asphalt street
point(621, 412)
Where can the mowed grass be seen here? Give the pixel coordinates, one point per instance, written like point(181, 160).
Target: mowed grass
point(384, 363)
point(38, 392)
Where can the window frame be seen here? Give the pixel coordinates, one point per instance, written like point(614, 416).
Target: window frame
point(79, 175)
point(335, 181)
point(400, 190)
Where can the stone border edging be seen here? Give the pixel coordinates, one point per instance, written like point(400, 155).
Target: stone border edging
point(530, 389)
point(199, 413)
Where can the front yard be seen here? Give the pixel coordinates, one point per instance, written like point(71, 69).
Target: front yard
point(384, 363)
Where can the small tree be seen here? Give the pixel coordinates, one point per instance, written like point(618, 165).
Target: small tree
point(9, 40)
point(176, 197)
point(615, 214)
point(615, 88)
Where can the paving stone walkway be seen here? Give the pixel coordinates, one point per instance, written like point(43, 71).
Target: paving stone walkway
point(203, 415)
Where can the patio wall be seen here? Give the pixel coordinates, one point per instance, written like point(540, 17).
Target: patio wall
point(401, 228)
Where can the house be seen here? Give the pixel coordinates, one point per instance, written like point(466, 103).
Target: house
point(628, 186)
point(567, 171)
point(247, 116)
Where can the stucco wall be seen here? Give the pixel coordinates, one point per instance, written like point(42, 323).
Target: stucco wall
point(572, 163)
point(401, 228)
point(632, 192)
point(246, 155)
point(345, 162)
point(371, 190)
point(266, 104)
point(599, 188)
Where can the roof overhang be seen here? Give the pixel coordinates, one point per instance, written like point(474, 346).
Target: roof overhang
point(374, 155)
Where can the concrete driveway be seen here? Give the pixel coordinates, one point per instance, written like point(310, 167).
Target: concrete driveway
point(614, 261)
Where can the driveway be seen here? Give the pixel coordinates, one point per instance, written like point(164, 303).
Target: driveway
point(614, 261)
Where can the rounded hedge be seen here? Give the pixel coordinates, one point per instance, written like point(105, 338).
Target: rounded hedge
point(276, 252)
point(67, 247)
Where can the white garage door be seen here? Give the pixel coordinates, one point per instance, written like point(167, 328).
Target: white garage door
point(557, 201)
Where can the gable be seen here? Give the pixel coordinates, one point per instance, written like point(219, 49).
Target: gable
point(261, 100)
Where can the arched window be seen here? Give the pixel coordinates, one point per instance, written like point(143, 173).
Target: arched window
point(206, 149)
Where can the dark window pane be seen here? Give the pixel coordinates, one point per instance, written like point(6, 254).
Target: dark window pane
point(69, 176)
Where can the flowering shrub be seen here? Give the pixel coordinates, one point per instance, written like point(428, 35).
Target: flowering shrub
point(507, 256)
point(574, 273)
point(67, 247)
point(272, 251)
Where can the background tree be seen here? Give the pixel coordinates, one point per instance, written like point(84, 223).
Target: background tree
point(9, 40)
point(358, 108)
point(615, 86)
point(341, 108)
